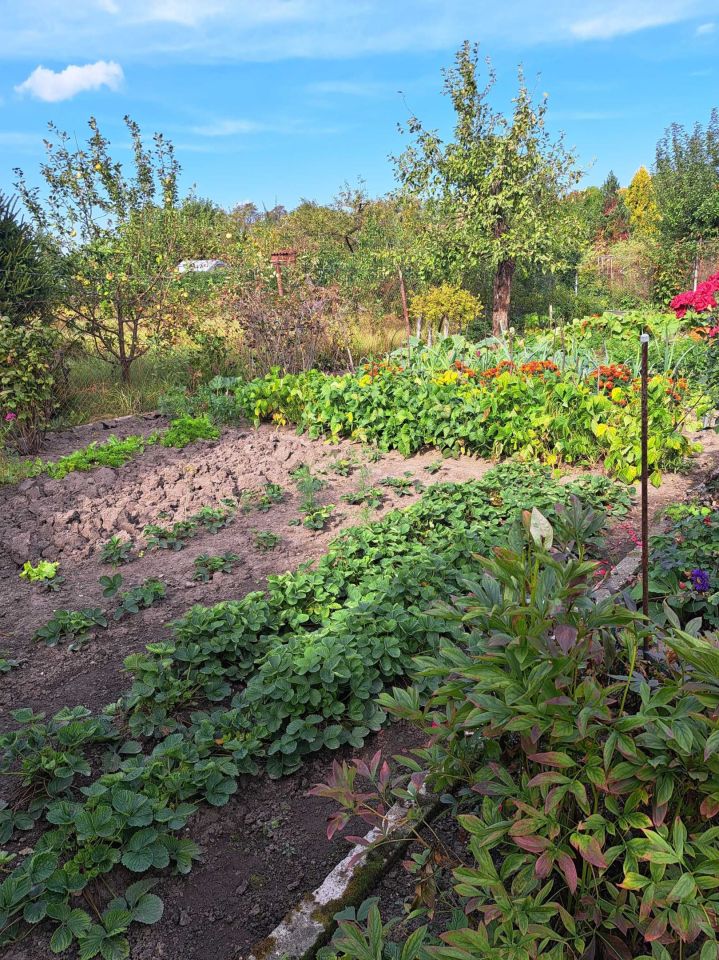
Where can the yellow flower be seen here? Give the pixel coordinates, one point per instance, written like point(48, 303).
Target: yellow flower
point(229, 236)
point(110, 276)
point(98, 166)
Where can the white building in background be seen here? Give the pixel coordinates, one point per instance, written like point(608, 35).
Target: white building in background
point(200, 266)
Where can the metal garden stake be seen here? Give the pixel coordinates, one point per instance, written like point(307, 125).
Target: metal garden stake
point(644, 340)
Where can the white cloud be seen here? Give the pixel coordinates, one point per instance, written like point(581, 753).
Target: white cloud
point(228, 128)
point(52, 87)
point(619, 22)
point(705, 28)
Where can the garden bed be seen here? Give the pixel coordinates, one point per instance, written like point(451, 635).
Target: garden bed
point(70, 519)
point(269, 829)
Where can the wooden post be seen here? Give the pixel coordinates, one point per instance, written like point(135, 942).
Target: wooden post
point(277, 259)
point(405, 309)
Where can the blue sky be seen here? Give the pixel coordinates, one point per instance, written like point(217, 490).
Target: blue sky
point(276, 100)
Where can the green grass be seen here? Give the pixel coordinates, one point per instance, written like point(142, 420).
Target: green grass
point(95, 390)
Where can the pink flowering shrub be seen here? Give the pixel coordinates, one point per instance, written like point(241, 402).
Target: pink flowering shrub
point(699, 300)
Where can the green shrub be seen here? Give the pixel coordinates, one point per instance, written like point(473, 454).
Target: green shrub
point(27, 381)
point(584, 788)
point(684, 567)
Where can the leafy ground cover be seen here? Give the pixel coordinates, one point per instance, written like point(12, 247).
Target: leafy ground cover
point(684, 566)
point(114, 452)
point(262, 682)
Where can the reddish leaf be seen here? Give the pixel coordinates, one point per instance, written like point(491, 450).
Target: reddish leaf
point(532, 844)
point(589, 850)
point(552, 758)
point(568, 868)
point(656, 929)
point(544, 864)
point(547, 776)
point(709, 807)
point(566, 636)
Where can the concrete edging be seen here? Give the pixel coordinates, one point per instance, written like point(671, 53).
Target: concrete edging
point(310, 922)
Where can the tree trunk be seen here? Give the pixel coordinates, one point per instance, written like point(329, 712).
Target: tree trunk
point(125, 364)
point(405, 310)
point(501, 296)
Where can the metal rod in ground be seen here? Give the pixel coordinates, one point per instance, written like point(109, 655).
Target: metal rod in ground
point(645, 479)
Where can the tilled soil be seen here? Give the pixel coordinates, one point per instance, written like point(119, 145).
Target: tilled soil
point(268, 846)
point(70, 519)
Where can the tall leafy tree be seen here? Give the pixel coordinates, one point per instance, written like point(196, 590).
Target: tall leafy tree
point(27, 278)
point(686, 182)
point(496, 189)
point(121, 237)
point(614, 222)
point(641, 204)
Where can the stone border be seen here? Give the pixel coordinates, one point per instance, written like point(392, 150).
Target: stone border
point(309, 924)
point(620, 576)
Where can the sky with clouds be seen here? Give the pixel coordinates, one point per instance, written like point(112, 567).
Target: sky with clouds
point(276, 100)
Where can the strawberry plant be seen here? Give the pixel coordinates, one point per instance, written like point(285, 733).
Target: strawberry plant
point(176, 536)
point(117, 551)
point(368, 496)
point(318, 517)
point(7, 664)
point(110, 585)
point(263, 499)
point(403, 486)
point(139, 598)
point(206, 566)
point(266, 539)
point(76, 626)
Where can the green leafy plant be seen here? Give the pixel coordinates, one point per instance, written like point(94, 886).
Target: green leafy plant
point(343, 466)
point(403, 486)
point(266, 539)
point(112, 453)
point(43, 571)
point(111, 584)
point(366, 496)
point(584, 783)
point(262, 499)
point(684, 565)
point(7, 664)
point(434, 467)
point(318, 517)
point(207, 566)
point(186, 430)
point(139, 598)
point(76, 626)
point(176, 536)
point(28, 396)
point(117, 551)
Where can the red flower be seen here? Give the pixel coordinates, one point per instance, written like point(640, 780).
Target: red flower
point(699, 300)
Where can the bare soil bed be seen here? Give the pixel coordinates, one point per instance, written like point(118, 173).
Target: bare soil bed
point(267, 846)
